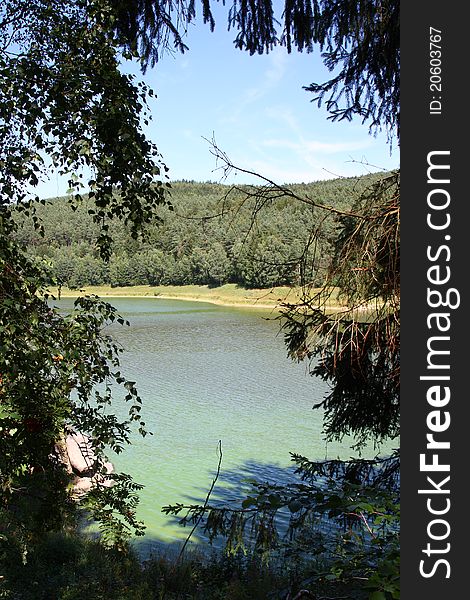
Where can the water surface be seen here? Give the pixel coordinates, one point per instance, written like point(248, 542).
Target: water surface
point(208, 373)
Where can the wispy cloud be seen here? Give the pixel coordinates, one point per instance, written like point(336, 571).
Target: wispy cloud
point(271, 78)
point(305, 147)
point(284, 115)
point(308, 158)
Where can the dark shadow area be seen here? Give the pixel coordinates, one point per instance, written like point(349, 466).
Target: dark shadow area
point(233, 485)
point(231, 488)
point(69, 564)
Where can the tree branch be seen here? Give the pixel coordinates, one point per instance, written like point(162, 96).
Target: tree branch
point(280, 190)
point(219, 447)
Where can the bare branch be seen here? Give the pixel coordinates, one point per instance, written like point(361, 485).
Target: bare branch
point(270, 190)
point(204, 506)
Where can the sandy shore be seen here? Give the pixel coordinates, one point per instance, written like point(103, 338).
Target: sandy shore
point(226, 295)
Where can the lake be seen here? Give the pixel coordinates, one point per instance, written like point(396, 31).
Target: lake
point(208, 373)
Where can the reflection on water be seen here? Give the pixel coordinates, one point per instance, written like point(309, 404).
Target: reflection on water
point(208, 373)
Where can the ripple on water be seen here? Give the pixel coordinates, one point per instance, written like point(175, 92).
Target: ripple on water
point(208, 373)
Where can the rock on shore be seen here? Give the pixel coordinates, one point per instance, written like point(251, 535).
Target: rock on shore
point(82, 462)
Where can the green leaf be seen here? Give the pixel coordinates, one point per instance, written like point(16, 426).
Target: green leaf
point(377, 595)
point(249, 502)
point(274, 500)
point(295, 505)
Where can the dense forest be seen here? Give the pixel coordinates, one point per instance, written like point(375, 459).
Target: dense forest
point(214, 235)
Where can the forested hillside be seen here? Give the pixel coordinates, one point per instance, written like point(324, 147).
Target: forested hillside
point(212, 237)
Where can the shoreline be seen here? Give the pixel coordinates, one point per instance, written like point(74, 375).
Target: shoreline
point(227, 295)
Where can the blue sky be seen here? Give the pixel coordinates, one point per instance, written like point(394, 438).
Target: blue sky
point(256, 109)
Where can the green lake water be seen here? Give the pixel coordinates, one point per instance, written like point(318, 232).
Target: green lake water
point(208, 373)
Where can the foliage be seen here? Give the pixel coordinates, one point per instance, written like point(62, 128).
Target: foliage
point(362, 40)
point(66, 107)
point(65, 103)
point(67, 567)
point(345, 514)
point(45, 357)
point(357, 349)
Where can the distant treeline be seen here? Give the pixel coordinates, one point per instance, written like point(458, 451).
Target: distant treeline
point(212, 237)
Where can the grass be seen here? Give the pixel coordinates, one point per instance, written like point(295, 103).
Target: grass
point(67, 566)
